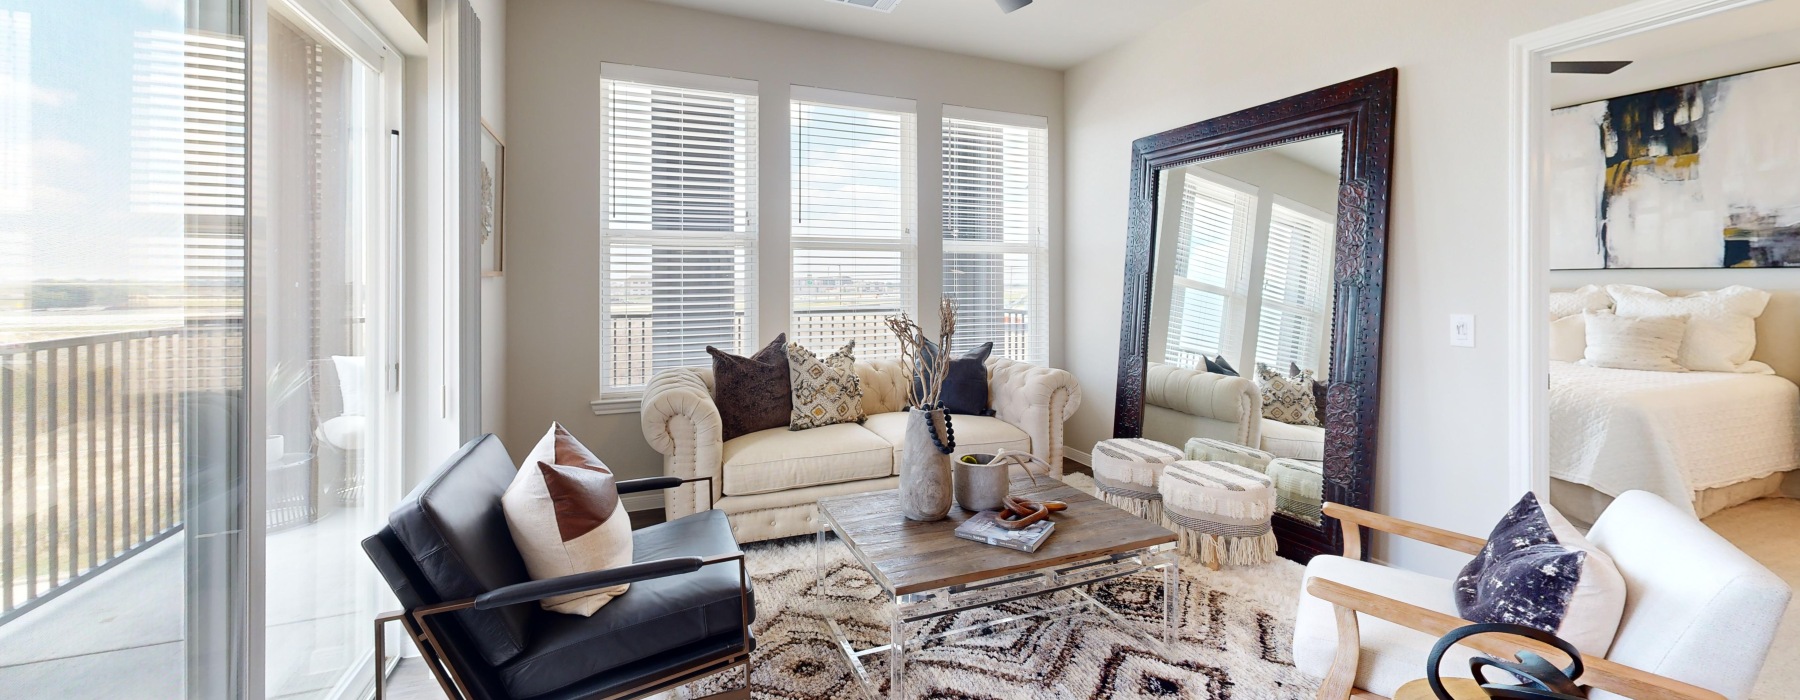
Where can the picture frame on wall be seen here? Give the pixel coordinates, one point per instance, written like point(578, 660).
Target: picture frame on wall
point(493, 202)
point(1689, 176)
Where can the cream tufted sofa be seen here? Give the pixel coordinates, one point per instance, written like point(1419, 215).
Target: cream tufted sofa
point(767, 482)
point(1182, 403)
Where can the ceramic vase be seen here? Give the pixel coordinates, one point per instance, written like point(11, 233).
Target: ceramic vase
point(983, 485)
point(925, 482)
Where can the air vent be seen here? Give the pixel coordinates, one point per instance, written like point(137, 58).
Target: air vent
point(881, 5)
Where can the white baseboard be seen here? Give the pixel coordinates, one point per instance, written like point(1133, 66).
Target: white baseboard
point(1079, 457)
point(649, 500)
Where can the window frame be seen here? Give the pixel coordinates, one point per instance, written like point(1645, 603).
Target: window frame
point(1321, 343)
point(1037, 249)
point(906, 245)
point(625, 398)
point(1236, 326)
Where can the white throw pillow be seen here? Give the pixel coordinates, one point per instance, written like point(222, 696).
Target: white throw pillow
point(351, 379)
point(564, 512)
point(1568, 338)
point(1576, 302)
point(1721, 326)
point(1539, 571)
point(1620, 342)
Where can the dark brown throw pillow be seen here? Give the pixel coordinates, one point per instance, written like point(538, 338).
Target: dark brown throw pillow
point(752, 393)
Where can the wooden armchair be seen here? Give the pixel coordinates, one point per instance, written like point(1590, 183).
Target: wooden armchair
point(1677, 624)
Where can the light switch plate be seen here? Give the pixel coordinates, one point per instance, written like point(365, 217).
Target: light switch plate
point(1462, 330)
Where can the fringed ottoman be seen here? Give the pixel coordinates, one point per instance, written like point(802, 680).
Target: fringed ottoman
point(1299, 488)
point(1210, 450)
point(1126, 470)
point(1221, 511)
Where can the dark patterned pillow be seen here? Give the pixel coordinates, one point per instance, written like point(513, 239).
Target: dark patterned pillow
point(1537, 570)
point(965, 383)
point(752, 393)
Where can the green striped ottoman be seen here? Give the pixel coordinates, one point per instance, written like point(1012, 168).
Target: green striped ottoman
point(1221, 512)
point(1126, 470)
point(1210, 450)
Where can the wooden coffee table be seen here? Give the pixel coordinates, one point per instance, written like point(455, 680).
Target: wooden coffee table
point(927, 572)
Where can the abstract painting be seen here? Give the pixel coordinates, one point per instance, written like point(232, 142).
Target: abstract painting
point(1702, 175)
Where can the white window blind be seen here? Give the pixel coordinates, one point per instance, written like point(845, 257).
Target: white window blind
point(854, 211)
point(996, 247)
point(678, 222)
point(1296, 303)
point(1207, 298)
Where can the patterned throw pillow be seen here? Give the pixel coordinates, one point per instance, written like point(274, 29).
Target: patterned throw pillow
point(826, 392)
point(1288, 399)
point(1538, 571)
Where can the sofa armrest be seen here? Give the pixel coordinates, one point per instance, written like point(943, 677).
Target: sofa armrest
point(1037, 400)
point(1232, 400)
point(681, 421)
point(1347, 601)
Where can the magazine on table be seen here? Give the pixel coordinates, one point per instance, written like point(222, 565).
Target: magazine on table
point(984, 527)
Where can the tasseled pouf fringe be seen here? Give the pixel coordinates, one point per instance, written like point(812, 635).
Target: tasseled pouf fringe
point(1214, 551)
point(1146, 508)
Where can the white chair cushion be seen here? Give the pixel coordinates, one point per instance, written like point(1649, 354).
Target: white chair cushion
point(974, 434)
point(1391, 655)
point(778, 459)
point(344, 432)
point(1305, 442)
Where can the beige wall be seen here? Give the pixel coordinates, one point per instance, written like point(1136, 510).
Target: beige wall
point(493, 289)
point(553, 82)
point(1442, 453)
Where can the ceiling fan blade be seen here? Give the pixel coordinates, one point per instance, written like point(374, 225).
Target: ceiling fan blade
point(1008, 6)
point(1588, 67)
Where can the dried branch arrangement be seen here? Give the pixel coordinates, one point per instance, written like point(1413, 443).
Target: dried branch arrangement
point(913, 354)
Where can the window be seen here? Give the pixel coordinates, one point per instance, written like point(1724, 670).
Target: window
point(1296, 303)
point(996, 248)
point(854, 211)
point(1208, 298)
point(677, 222)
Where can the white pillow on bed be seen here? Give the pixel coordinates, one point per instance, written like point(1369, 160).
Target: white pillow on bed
point(1721, 325)
point(1568, 338)
point(1621, 342)
point(1574, 303)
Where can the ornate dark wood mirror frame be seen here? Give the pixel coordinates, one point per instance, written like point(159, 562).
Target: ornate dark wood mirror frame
point(1363, 111)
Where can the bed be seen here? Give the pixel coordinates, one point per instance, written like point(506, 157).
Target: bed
point(1704, 441)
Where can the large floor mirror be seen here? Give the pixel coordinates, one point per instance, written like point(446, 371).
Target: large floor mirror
point(1252, 308)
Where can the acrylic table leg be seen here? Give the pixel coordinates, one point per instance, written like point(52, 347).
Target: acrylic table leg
point(1171, 597)
point(818, 556)
point(897, 658)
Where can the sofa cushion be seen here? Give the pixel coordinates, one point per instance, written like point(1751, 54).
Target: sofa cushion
point(653, 617)
point(974, 434)
point(779, 459)
point(1391, 655)
point(453, 526)
point(1305, 442)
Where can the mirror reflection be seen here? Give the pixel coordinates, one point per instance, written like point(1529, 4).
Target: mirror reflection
point(1241, 313)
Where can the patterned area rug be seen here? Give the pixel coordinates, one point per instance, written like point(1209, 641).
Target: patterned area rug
point(1235, 637)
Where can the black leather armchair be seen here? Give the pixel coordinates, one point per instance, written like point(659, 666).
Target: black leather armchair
point(469, 605)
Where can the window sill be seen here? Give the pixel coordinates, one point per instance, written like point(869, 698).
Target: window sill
point(616, 406)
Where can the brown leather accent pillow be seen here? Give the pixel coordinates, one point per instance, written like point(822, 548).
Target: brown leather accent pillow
point(563, 510)
point(752, 393)
point(585, 498)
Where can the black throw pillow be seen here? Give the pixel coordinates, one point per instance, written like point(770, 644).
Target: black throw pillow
point(1218, 365)
point(966, 383)
point(752, 393)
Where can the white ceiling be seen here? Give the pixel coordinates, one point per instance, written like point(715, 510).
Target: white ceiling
point(1050, 33)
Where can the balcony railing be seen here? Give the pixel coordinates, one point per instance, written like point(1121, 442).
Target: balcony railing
point(91, 449)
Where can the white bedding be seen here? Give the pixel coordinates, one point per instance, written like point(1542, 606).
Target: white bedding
point(1670, 433)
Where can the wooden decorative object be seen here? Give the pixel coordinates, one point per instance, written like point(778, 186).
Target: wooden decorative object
point(1362, 110)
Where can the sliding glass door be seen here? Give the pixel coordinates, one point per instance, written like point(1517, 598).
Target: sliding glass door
point(321, 253)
